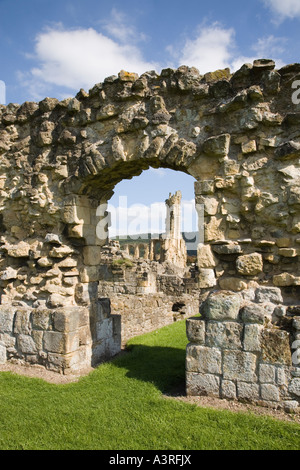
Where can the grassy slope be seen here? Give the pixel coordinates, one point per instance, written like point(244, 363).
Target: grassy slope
point(120, 406)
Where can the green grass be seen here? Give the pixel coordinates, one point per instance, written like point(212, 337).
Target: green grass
point(120, 406)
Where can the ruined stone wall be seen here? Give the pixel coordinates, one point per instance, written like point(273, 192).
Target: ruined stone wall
point(242, 348)
point(236, 134)
point(147, 295)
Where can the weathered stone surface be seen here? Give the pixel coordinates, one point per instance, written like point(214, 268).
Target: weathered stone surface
point(206, 259)
point(228, 390)
point(253, 313)
point(252, 338)
point(221, 306)
point(203, 360)
point(250, 265)
point(207, 278)
point(202, 384)
point(269, 294)
point(224, 335)
point(26, 344)
point(232, 283)
point(276, 347)
point(3, 356)
point(239, 365)
point(248, 391)
point(7, 314)
point(217, 146)
point(270, 393)
point(267, 374)
point(294, 387)
point(195, 329)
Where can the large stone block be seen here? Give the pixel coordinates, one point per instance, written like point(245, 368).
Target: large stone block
point(206, 258)
point(270, 392)
point(202, 384)
point(7, 314)
point(217, 146)
point(238, 365)
point(221, 306)
point(203, 360)
point(26, 344)
point(275, 346)
point(248, 391)
point(250, 265)
point(66, 319)
point(252, 338)
point(269, 294)
point(224, 335)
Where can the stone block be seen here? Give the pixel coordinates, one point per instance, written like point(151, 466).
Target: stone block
point(61, 251)
point(104, 329)
point(66, 320)
point(204, 360)
point(202, 385)
point(267, 374)
point(221, 306)
point(268, 294)
point(90, 274)
point(206, 259)
point(22, 324)
point(253, 313)
point(228, 390)
point(252, 338)
point(284, 280)
point(3, 355)
point(7, 314)
point(275, 347)
point(217, 146)
point(232, 283)
point(26, 344)
point(294, 387)
point(207, 278)
point(250, 265)
point(195, 330)
point(248, 391)
point(41, 318)
point(270, 392)
point(238, 365)
point(54, 342)
point(224, 335)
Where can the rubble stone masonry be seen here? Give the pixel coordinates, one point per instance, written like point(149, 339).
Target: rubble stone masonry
point(238, 135)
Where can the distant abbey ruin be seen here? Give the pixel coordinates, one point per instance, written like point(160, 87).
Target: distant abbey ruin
point(63, 289)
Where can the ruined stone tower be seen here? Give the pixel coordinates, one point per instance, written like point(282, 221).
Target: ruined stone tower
point(174, 247)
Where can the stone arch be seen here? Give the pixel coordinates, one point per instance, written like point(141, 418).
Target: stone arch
point(236, 134)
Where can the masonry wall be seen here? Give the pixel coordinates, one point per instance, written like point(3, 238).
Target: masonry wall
point(236, 134)
point(242, 348)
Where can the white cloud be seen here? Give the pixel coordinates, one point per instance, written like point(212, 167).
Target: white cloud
point(79, 58)
point(212, 49)
point(284, 8)
point(118, 26)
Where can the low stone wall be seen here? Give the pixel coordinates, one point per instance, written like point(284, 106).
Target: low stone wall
point(63, 340)
point(242, 348)
point(144, 313)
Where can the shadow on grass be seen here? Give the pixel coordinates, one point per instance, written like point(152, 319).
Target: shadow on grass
point(162, 366)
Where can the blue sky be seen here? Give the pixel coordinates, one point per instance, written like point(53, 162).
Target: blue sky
point(55, 47)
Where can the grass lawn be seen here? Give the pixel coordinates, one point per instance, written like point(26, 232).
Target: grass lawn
point(120, 406)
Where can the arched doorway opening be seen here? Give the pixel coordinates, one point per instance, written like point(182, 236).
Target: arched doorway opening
point(151, 231)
